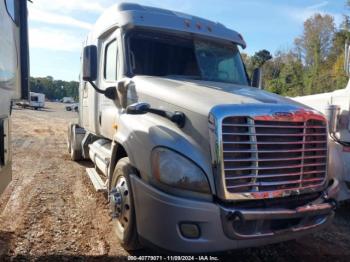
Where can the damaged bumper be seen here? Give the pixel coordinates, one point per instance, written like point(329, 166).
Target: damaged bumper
point(160, 217)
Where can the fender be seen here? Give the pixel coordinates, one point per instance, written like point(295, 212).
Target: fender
point(138, 135)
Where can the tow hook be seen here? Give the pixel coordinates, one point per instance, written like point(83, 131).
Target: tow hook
point(235, 216)
point(115, 202)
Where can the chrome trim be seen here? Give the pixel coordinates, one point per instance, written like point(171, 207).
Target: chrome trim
point(264, 112)
point(256, 134)
point(271, 159)
point(274, 167)
point(281, 143)
point(322, 210)
point(274, 175)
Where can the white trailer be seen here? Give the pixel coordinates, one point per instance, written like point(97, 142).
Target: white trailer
point(336, 106)
point(14, 71)
point(36, 100)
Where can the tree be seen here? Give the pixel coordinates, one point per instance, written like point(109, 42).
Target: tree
point(345, 25)
point(54, 89)
point(316, 62)
point(284, 74)
point(314, 45)
point(261, 57)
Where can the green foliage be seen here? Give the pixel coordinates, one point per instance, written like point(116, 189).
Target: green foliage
point(315, 43)
point(54, 89)
point(260, 58)
point(313, 65)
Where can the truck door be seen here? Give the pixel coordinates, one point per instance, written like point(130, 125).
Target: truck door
point(109, 66)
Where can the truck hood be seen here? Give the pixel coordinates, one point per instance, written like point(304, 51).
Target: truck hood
point(201, 96)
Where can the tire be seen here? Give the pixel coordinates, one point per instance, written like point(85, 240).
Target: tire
point(126, 231)
point(75, 154)
point(69, 134)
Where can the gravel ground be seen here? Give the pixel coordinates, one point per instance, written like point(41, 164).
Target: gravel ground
point(50, 212)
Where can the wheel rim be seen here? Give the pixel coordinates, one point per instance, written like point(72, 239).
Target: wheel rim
point(121, 204)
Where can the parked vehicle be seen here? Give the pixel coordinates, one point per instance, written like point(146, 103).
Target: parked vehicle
point(14, 72)
point(67, 100)
point(336, 106)
point(193, 156)
point(36, 100)
point(73, 107)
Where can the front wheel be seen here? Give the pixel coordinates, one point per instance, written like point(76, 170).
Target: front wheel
point(75, 154)
point(122, 205)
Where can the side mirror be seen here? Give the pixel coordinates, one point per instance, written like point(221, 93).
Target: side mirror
point(90, 71)
point(138, 109)
point(257, 78)
point(90, 63)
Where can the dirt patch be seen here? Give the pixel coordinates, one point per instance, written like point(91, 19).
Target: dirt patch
point(50, 212)
point(50, 209)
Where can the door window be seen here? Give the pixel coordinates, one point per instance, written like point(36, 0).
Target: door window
point(12, 9)
point(110, 71)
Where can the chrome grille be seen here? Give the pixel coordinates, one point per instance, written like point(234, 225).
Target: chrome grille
point(267, 155)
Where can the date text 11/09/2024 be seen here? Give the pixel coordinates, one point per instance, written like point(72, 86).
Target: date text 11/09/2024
point(172, 258)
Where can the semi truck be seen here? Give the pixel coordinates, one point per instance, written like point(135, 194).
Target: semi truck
point(192, 155)
point(14, 71)
point(336, 107)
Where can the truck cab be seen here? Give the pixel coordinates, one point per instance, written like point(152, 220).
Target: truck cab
point(192, 155)
point(14, 73)
point(336, 107)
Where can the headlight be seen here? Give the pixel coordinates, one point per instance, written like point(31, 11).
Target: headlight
point(175, 170)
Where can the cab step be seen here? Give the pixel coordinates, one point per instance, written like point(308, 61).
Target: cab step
point(96, 180)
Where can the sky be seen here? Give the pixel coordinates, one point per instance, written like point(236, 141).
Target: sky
point(57, 28)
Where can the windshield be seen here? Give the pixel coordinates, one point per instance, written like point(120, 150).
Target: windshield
point(167, 55)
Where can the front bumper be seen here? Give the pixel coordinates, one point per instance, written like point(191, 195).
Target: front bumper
point(159, 215)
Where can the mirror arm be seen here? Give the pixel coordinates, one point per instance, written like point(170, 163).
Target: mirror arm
point(176, 117)
point(96, 88)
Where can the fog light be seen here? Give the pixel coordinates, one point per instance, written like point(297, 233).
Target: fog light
point(190, 230)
